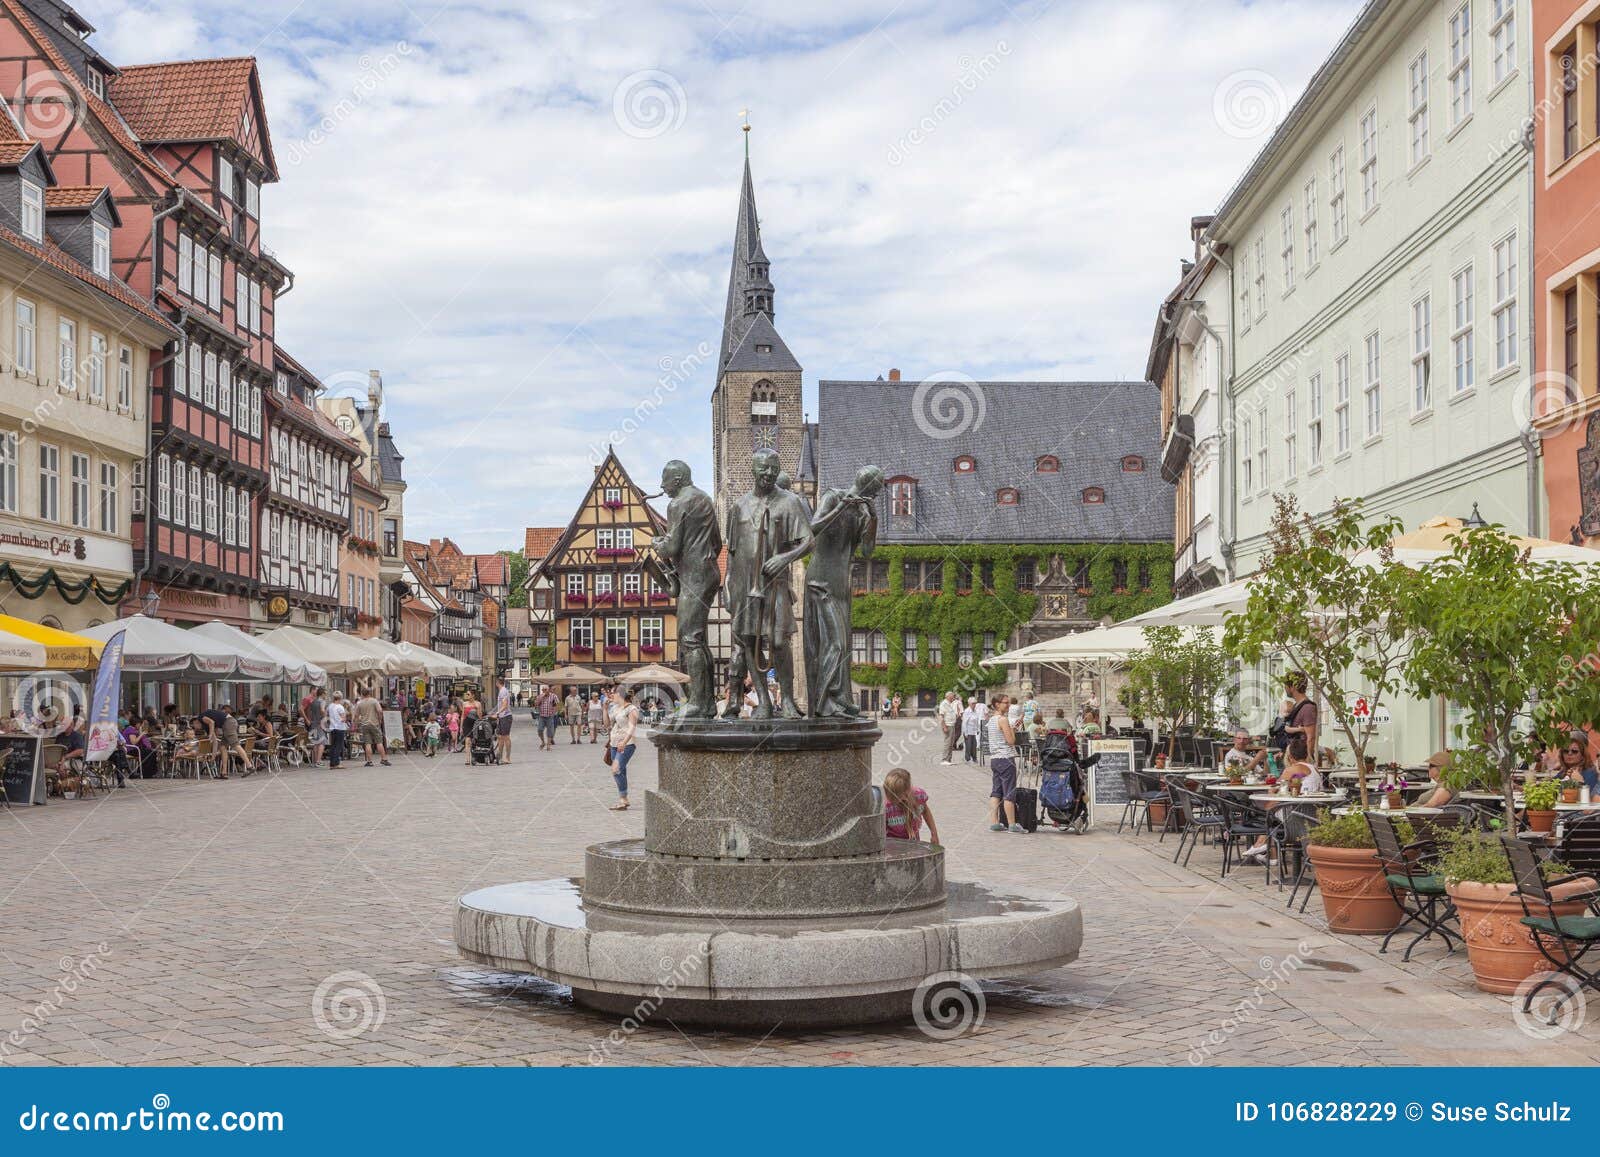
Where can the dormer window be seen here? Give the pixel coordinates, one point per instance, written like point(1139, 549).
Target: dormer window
point(32, 211)
point(903, 497)
point(1132, 464)
point(1094, 496)
point(1047, 464)
point(97, 82)
point(1007, 496)
point(102, 250)
point(966, 464)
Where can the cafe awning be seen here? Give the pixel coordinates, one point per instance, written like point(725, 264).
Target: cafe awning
point(26, 646)
point(294, 669)
point(154, 647)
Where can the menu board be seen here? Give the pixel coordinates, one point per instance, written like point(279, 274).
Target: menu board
point(394, 731)
point(1108, 792)
point(22, 767)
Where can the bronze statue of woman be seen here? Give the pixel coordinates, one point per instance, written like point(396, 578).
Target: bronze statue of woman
point(845, 523)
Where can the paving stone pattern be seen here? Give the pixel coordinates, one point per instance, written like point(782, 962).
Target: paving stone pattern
point(305, 918)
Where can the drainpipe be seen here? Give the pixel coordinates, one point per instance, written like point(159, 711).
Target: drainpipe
point(1227, 493)
point(150, 385)
point(1530, 437)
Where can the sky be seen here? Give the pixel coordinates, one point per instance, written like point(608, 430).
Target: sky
point(522, 213)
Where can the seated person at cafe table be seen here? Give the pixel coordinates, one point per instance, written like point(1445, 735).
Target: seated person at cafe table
point(1440, 795)
point(1240, 755)
point(1575, 763)
point(1297, 769)
point(222, 726)
point(266, 737)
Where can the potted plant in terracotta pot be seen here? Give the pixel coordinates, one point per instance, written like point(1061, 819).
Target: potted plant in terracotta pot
point(1477, 876)
point(1569, 792)
point(1355, 895)
point(1539, 803)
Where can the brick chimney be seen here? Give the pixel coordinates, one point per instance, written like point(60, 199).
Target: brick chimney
point(894, 375)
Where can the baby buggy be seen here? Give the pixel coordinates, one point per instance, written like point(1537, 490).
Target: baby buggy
point(481, 742)
point(1062, 797)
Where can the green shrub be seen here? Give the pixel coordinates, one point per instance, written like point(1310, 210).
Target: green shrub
point(1350, 831)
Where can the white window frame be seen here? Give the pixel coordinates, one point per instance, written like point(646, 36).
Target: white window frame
point(1244, 290)
point(1246, 459)
point(1313, 253)
point(617, 633)
point(1422, 354)
point(1261, 450)
point(101, 250)
point(198, 289)
point(224, 388)
point(244, 518)
point(49, 482)
point(214, 281)
point(1372, 383)
point(164, 488)
point(78, 491)
point(1503, 38)
point(603, 584)
point(581, 634)
point(1369, 160)
point(136, 488)
point(255, 305)
point(1314, 421)
point(604, 538)
point(9, 495)
point(1463, 316)
point(1506, 337)
point(1341, 403)
point(185, 263)
point(652, 632)
point(1417, 108)
point(575, 585)
point(67, 355)
point(631, 583)
point(125, 378)
point(1338, 207)
point(197, 366)
point(1291, 432)
point(1460, 65)
point(1288, 239)
point(27, 332)
point(32, 220)
point(230, 515)
point(196, 510)
point(1261, 278)
point(255, 411)
point(624, 538)
point(98, 351)
point(180, 493)
point(211, 502)
point(110, 485)
point(209, 380)
point(241, 298)
point(225, 176)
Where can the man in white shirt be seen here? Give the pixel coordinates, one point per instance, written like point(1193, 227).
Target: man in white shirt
point(338, 729)
point(950, 721)
point(971, 723)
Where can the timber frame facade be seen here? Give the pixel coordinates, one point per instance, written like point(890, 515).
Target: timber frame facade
point(611, 611)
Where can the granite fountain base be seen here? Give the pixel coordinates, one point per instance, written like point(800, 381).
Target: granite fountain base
point(764, 892)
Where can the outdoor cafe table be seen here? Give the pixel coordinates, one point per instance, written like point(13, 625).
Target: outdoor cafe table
point(1269, 797)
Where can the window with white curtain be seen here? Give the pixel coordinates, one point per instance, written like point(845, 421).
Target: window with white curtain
point(110, 515)
point(27, 329)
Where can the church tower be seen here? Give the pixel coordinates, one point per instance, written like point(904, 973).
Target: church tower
point(756, 402)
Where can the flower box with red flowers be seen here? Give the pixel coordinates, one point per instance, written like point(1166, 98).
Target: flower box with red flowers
point(660, 597)
point(650, 650)
point(615, 552)
point(616, 650)
point(582, 650)
point(612, 504)
point(605, 600)
point(633, 600)
point(366, 620)
point(577, 600)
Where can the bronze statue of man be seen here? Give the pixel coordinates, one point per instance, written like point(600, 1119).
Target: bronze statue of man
point(690, 548)
point(845, 524)
point(768, 531)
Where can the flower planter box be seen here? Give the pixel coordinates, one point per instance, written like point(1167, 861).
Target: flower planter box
point(1355, 896)
point(616, 650)
point(650, 650)
point(581, 650)
point(1501, 948)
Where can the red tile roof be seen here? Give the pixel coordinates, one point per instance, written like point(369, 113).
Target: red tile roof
point(53, 255)
point(72, 196)
point(492, 569)
point(13, 152)
point(539, 540)
point(491, 615)
point(184, 100)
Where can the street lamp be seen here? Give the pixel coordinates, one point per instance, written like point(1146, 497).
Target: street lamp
point(1474, 521)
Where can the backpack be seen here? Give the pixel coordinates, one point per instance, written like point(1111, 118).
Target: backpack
point(1055, 790)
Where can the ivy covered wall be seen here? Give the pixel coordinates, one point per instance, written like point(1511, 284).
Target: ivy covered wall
point(950, 612)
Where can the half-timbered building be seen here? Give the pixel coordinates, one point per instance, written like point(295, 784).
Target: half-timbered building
point(306, 508)
point(612, 613)
point(183, 150)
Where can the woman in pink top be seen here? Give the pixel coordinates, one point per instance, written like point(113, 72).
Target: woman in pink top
point(906, 807)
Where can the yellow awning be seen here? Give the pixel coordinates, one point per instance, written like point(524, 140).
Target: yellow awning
point(26, 646)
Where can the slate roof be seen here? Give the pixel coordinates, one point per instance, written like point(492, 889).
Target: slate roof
point(808, 452)
point(1089, 426)
point(389, 456)
point(761, 350)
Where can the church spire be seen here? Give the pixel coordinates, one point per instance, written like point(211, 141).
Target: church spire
point(750, 291)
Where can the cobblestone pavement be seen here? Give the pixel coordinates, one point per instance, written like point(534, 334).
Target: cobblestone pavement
point(306, 918)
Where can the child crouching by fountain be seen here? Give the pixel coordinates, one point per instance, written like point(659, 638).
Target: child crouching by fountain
point(905, 808)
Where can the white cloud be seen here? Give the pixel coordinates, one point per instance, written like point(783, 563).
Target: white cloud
point(476, 224)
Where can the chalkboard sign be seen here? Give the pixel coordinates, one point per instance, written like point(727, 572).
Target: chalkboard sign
point(1107, 790)
point(394, 731)
point(23, 768)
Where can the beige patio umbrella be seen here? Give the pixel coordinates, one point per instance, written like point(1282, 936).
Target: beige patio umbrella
point(580, 675)
point(1431, 542)
point(654, 673)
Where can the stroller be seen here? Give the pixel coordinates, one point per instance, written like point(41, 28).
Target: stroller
point(1062, 797)
point(481, 742)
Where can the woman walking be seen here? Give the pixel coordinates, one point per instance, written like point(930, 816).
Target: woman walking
point(624, 721)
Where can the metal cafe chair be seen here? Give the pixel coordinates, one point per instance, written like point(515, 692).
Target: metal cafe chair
point(1562, 940)
point(1580, 844)
point(1416, 888)
point(1287, 825)
point(1241, 825)
point(1140, 796)
point(1199, 816)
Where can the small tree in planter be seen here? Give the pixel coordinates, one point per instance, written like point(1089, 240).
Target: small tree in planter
point(1177, 677)
point(1499, 636)
point(1330, 616)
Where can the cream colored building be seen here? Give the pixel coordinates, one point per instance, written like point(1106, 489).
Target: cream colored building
point(74, 396)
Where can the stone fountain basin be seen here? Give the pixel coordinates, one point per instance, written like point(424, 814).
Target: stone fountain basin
point(761, 973)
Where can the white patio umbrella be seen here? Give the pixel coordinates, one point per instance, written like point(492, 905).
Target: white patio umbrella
point(392, 659)
point(439, 666)
point(335, 653)
point(295, 669)
point(154, 647)
point(1206, 609)
point(1114, 642)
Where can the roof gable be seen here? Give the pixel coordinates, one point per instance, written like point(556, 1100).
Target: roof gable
point(197, 100)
